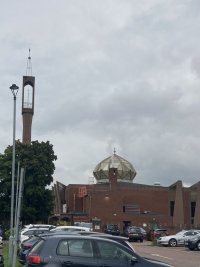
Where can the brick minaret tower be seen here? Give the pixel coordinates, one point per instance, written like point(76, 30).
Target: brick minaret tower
point(28, 93)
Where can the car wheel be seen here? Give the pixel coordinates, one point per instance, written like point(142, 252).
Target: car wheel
point(172, 242)
point(141, 240)
point(198, 245)
point(191, 248)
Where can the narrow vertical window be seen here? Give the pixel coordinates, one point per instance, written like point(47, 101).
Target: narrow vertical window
point(193, 206)
point(172, 203)
point(28, 97)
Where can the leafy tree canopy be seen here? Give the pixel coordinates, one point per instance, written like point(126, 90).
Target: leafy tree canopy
point(38, 161)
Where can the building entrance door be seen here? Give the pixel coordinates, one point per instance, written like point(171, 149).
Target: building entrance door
point(126, 224)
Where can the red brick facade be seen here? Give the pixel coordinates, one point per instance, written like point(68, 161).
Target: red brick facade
point(174, 207)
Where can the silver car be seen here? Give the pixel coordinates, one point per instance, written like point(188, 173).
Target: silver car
point(177, 239)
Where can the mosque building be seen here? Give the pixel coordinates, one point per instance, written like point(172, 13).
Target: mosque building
point(116, 199)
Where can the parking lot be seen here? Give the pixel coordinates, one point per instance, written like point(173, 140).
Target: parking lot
point(176, 256)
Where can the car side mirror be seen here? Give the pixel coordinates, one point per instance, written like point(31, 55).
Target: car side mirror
point(133, 260)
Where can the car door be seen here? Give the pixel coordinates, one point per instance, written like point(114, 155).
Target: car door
point(115, 255)
point(188, 235)
point(76, 253)
point(181, 238)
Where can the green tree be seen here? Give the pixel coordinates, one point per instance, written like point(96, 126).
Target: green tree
point(38, 161)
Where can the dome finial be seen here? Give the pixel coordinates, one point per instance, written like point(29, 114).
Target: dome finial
point(29, 65)
point(114, 151)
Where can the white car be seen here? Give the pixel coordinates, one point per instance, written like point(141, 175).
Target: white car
point(25, 234)
point(29, 226)
point(70, 228)
point(84, 224)
point(1, 241)
point(177, 239)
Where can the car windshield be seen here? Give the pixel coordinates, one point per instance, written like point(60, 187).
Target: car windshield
point(180, 233)
point(194, 236)
point(112, 227)
point(135, 230)
point(84, 224)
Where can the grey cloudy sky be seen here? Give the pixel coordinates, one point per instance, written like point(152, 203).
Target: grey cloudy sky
point(109, 73)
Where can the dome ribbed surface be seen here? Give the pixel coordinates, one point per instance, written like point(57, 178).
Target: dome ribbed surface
point(125, 169)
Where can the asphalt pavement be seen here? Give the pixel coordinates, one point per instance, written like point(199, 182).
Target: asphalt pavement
point(176, 256)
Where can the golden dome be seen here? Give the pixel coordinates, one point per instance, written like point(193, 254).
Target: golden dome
point(125, 169)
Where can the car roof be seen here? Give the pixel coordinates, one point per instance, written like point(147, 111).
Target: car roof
point(84, 237)
point(70, 227)
point(81, 233)
point(49, 233)
point(32, 229)
point(70, 234)
point(74, 236)
point(110, 236)
point(31, 226)
point(160, 229)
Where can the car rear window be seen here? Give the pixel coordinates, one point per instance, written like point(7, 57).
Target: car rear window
point(113, 227)
point(36, 248)
point(29, 232)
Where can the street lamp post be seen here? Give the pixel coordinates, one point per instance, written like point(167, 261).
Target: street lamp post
point(14, 89)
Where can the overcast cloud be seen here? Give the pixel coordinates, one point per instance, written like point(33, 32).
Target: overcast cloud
point(121, 74)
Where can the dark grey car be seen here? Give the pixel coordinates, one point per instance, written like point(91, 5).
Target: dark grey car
point(134, 233)
point(1, 261)
point(28, 244)
point(84, 251)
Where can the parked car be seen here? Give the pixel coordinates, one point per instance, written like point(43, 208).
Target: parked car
point(177, 239)
point(71, 228)
point(25, 234)
point(84, 224)
point(28, 226)
point(144, 232)
point(134, 233)
point(1, 261)
point(154, 234)
point(1, 231)
point(77, 250)
point(1, 241)
point(193, 242)
point(28, 244)
point(111, 229)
